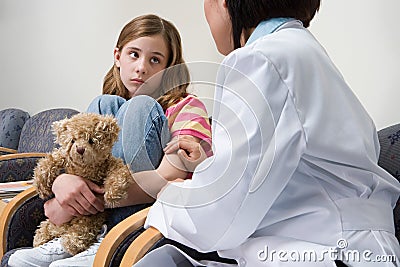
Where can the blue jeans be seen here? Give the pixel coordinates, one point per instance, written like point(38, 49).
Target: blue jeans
point(143, 135)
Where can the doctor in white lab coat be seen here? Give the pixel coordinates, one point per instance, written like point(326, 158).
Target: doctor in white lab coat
point(294, 179)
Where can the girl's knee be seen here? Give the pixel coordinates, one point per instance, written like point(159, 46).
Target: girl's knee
point(145, 103)
point(110, 100)
point(106, 104)
point(142, 100)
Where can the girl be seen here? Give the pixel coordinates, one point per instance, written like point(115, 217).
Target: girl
point(294, 176)
point(148, 65)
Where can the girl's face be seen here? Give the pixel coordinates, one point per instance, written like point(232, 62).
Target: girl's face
point(220, 24)
point(140, 59)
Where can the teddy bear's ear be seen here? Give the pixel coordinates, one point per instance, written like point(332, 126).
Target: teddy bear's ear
point(59, 128)
point(110, 126)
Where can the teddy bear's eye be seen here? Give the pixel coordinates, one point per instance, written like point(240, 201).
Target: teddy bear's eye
point(72, 141)
point(91, 141)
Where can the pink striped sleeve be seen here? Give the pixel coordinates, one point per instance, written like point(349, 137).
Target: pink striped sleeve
point(189, 117)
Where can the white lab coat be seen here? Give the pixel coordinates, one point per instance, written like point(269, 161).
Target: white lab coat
point(294, 169)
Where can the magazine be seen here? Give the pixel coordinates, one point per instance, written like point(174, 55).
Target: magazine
point(8, 190)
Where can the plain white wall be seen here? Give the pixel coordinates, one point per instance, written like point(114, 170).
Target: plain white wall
point(54, 53)
point(363, 39)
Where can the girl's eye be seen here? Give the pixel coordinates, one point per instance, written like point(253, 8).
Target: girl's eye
point(91, 141)
point(134, 55)
point(155, 60)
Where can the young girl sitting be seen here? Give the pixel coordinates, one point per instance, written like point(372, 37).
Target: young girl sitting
point(146, 90)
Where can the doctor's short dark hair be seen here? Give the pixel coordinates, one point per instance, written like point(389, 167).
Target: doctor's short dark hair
point(247, 14)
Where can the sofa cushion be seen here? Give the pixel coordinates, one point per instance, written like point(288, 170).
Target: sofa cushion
point(12, 121)
point(389, 159)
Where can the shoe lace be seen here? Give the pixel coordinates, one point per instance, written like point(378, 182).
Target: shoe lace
point(53, 245)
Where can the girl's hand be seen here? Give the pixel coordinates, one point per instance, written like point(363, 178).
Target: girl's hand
point(56, 213)
point(189, 150)
point(78, 196)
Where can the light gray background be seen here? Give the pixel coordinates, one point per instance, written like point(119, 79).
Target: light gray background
point(55, 53)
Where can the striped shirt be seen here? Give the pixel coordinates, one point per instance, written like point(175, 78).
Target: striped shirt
point(189, 117)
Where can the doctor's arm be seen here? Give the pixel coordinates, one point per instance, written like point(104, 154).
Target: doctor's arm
point(257, 147)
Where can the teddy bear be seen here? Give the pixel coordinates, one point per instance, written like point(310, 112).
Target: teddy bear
point(84, 142)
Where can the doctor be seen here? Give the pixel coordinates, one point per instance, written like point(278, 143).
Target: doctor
point(294, 179)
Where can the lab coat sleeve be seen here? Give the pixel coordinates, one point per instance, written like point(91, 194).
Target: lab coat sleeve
point(258, 141)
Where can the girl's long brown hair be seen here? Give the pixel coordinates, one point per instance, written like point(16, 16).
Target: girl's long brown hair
point(175, 80)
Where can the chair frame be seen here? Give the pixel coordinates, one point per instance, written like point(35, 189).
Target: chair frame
point(117, 235)
point(9, 211)
point(140, 246)
point(5, 150)
point(22, 155)
point(108, 246)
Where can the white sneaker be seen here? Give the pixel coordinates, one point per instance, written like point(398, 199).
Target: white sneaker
point(85, 258)
point(40, 256)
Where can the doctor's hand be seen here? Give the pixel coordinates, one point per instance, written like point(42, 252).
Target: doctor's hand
point(189, 150)
point(78, 196)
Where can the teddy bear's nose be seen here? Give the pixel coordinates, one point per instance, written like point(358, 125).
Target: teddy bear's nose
point(80, 150)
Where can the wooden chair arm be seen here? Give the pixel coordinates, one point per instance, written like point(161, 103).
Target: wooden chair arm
point(117, 235)
point(8, 150)
point(7, 213)
point(22, 155)
point(140, 246)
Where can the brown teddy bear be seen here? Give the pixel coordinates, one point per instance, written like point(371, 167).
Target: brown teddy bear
point(86, 141)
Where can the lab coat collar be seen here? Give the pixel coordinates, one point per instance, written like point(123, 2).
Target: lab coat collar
point(266, 27)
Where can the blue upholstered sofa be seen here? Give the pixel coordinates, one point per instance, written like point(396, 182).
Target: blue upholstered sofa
point(12, 121)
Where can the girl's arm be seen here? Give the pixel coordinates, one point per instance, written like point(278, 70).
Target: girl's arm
point(149, 183)
point(190, 122)
point(77, 196)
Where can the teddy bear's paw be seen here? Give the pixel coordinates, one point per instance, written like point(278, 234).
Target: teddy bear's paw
point(37, 243)
point(40, 240)
point(43, 193)
point(44, 233)
point(112, 198)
